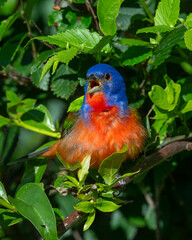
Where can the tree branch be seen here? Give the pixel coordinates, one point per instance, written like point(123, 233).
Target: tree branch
point(70, 221)
point(23, 81)
point(144, 165)
point(90, 9)
point(34, 52)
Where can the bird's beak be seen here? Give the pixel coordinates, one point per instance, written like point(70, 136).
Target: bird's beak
point(94, 86)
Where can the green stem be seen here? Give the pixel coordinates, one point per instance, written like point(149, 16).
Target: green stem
point(38, 130)
point(146, 9)
point(6, 204)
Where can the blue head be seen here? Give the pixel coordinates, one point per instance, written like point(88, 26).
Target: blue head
point(106, 79)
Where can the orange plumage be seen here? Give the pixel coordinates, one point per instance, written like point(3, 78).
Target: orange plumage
point(106, 133)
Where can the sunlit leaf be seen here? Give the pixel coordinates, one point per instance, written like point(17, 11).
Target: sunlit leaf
point(86, 207)
point(188, 22)
point(4, 121)
point(3, 193)
point(167, 12)
point(107, 12)
point(84, 169)
point(166, 98)
point(188, 39)
point(124, 176)
point(76, 104)
point(133, 42)
point(107, 206)
point(187, 107)
point(156, 29)
point(38, 61)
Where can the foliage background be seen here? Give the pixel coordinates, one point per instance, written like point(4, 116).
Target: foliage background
point(161, 200)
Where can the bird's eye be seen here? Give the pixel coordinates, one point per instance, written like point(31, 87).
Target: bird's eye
point(107, 76)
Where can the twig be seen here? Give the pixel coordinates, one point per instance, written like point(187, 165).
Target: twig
point(144, 165)
point(70, 221)
point(34, 52)
point(23, 81)
point(177, 138)
point(37, 27)
point(90, 9)
point(45, 43)
point(147, 197)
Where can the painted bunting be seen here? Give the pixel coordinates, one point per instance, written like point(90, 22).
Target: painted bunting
point(105, 122)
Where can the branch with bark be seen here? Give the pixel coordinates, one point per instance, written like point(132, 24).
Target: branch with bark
point(144, 165)
point(21, 80)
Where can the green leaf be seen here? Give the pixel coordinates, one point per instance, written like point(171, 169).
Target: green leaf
point(167, 12)
point(107, 12)
point(76, 104)
point(9, 144)
point(133, 42)
point(124, 176)
point(102, 45)
point(155, 29)
point(163, 50)
point(160, 114)
point(89, 221)
point(44, 83)
point(58, 214)
point(9, 218)
point(187, 107)
point(6, 24)
point(64, 88)
point(32, 203)
point(59, 182)
point(38, 61)
point(70, 167)
point(135, 55)
point(84, 169)
point(188, 39)
point(188, 22)
point(38, 117)
point(48, 65)
point(107, 206)
point(52, 39)
point(12, 99)
point(73, 180)
point(66, 56)
point(86, 206)
point(167, 98)
point(10, 48)
point(81, 39)
point(34, 170)
point(4, 121)
point(3, 193)
point(110, 166)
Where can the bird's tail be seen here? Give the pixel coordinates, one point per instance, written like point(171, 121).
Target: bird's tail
point(46, 152)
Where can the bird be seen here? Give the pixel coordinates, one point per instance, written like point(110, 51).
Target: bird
point(105, 122)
